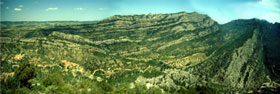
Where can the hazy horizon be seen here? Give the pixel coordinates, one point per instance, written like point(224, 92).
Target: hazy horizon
point(221, 11)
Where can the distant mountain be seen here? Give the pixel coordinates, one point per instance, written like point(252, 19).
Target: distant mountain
point(171, 52)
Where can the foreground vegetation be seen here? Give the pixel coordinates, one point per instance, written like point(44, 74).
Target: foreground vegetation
point(27, 79)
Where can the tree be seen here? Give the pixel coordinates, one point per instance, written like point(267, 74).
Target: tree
point(25, 72)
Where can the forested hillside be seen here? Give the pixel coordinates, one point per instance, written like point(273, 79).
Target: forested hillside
point(141, 54)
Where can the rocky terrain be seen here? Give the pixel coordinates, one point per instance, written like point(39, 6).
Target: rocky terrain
point(152, 53)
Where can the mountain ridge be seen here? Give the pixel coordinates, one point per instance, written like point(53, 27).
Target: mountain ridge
point(172, 52)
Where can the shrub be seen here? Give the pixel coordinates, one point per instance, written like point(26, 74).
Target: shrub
point(53, 79)
point(23, 90)
point(53, 89)
point(122, 88)
point(105, 86)
point(25, 72)
point(142, 89)
point(198, 90)
point(152, 73)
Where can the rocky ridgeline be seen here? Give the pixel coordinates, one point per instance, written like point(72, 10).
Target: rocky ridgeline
point(159, 25)
point(155, 19)
point(184, 21)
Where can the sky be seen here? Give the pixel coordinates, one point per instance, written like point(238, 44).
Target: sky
point(221, 11)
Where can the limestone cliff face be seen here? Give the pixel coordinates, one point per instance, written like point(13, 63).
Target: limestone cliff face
point(243, 70)
point(238, 66)
point(247, 70)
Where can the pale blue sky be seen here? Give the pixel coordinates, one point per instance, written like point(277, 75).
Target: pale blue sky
point(88, 10)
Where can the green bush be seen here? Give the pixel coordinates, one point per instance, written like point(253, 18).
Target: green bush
point(105, 86)
point(25, 72)
point(66, 89)
point(85, 83)
point(122, 88)
point(142, 89)
point(53, 79)
point(53, 89)
point(188, 91)
point(152, 73)
point(36, 84)
point(198, 90)
point(23, 90)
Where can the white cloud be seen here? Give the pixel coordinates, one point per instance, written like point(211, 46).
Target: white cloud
point(20, 6)
point(270, 4)
point(17, 9)
point(7, 8)
point(79, 8)
point(272, 17)
point(102, 9)
point(1, 3)
point(51, 9)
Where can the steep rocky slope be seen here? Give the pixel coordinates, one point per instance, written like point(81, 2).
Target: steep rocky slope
point(171, 52)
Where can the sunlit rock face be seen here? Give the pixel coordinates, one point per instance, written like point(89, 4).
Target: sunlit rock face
point(167, 51)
